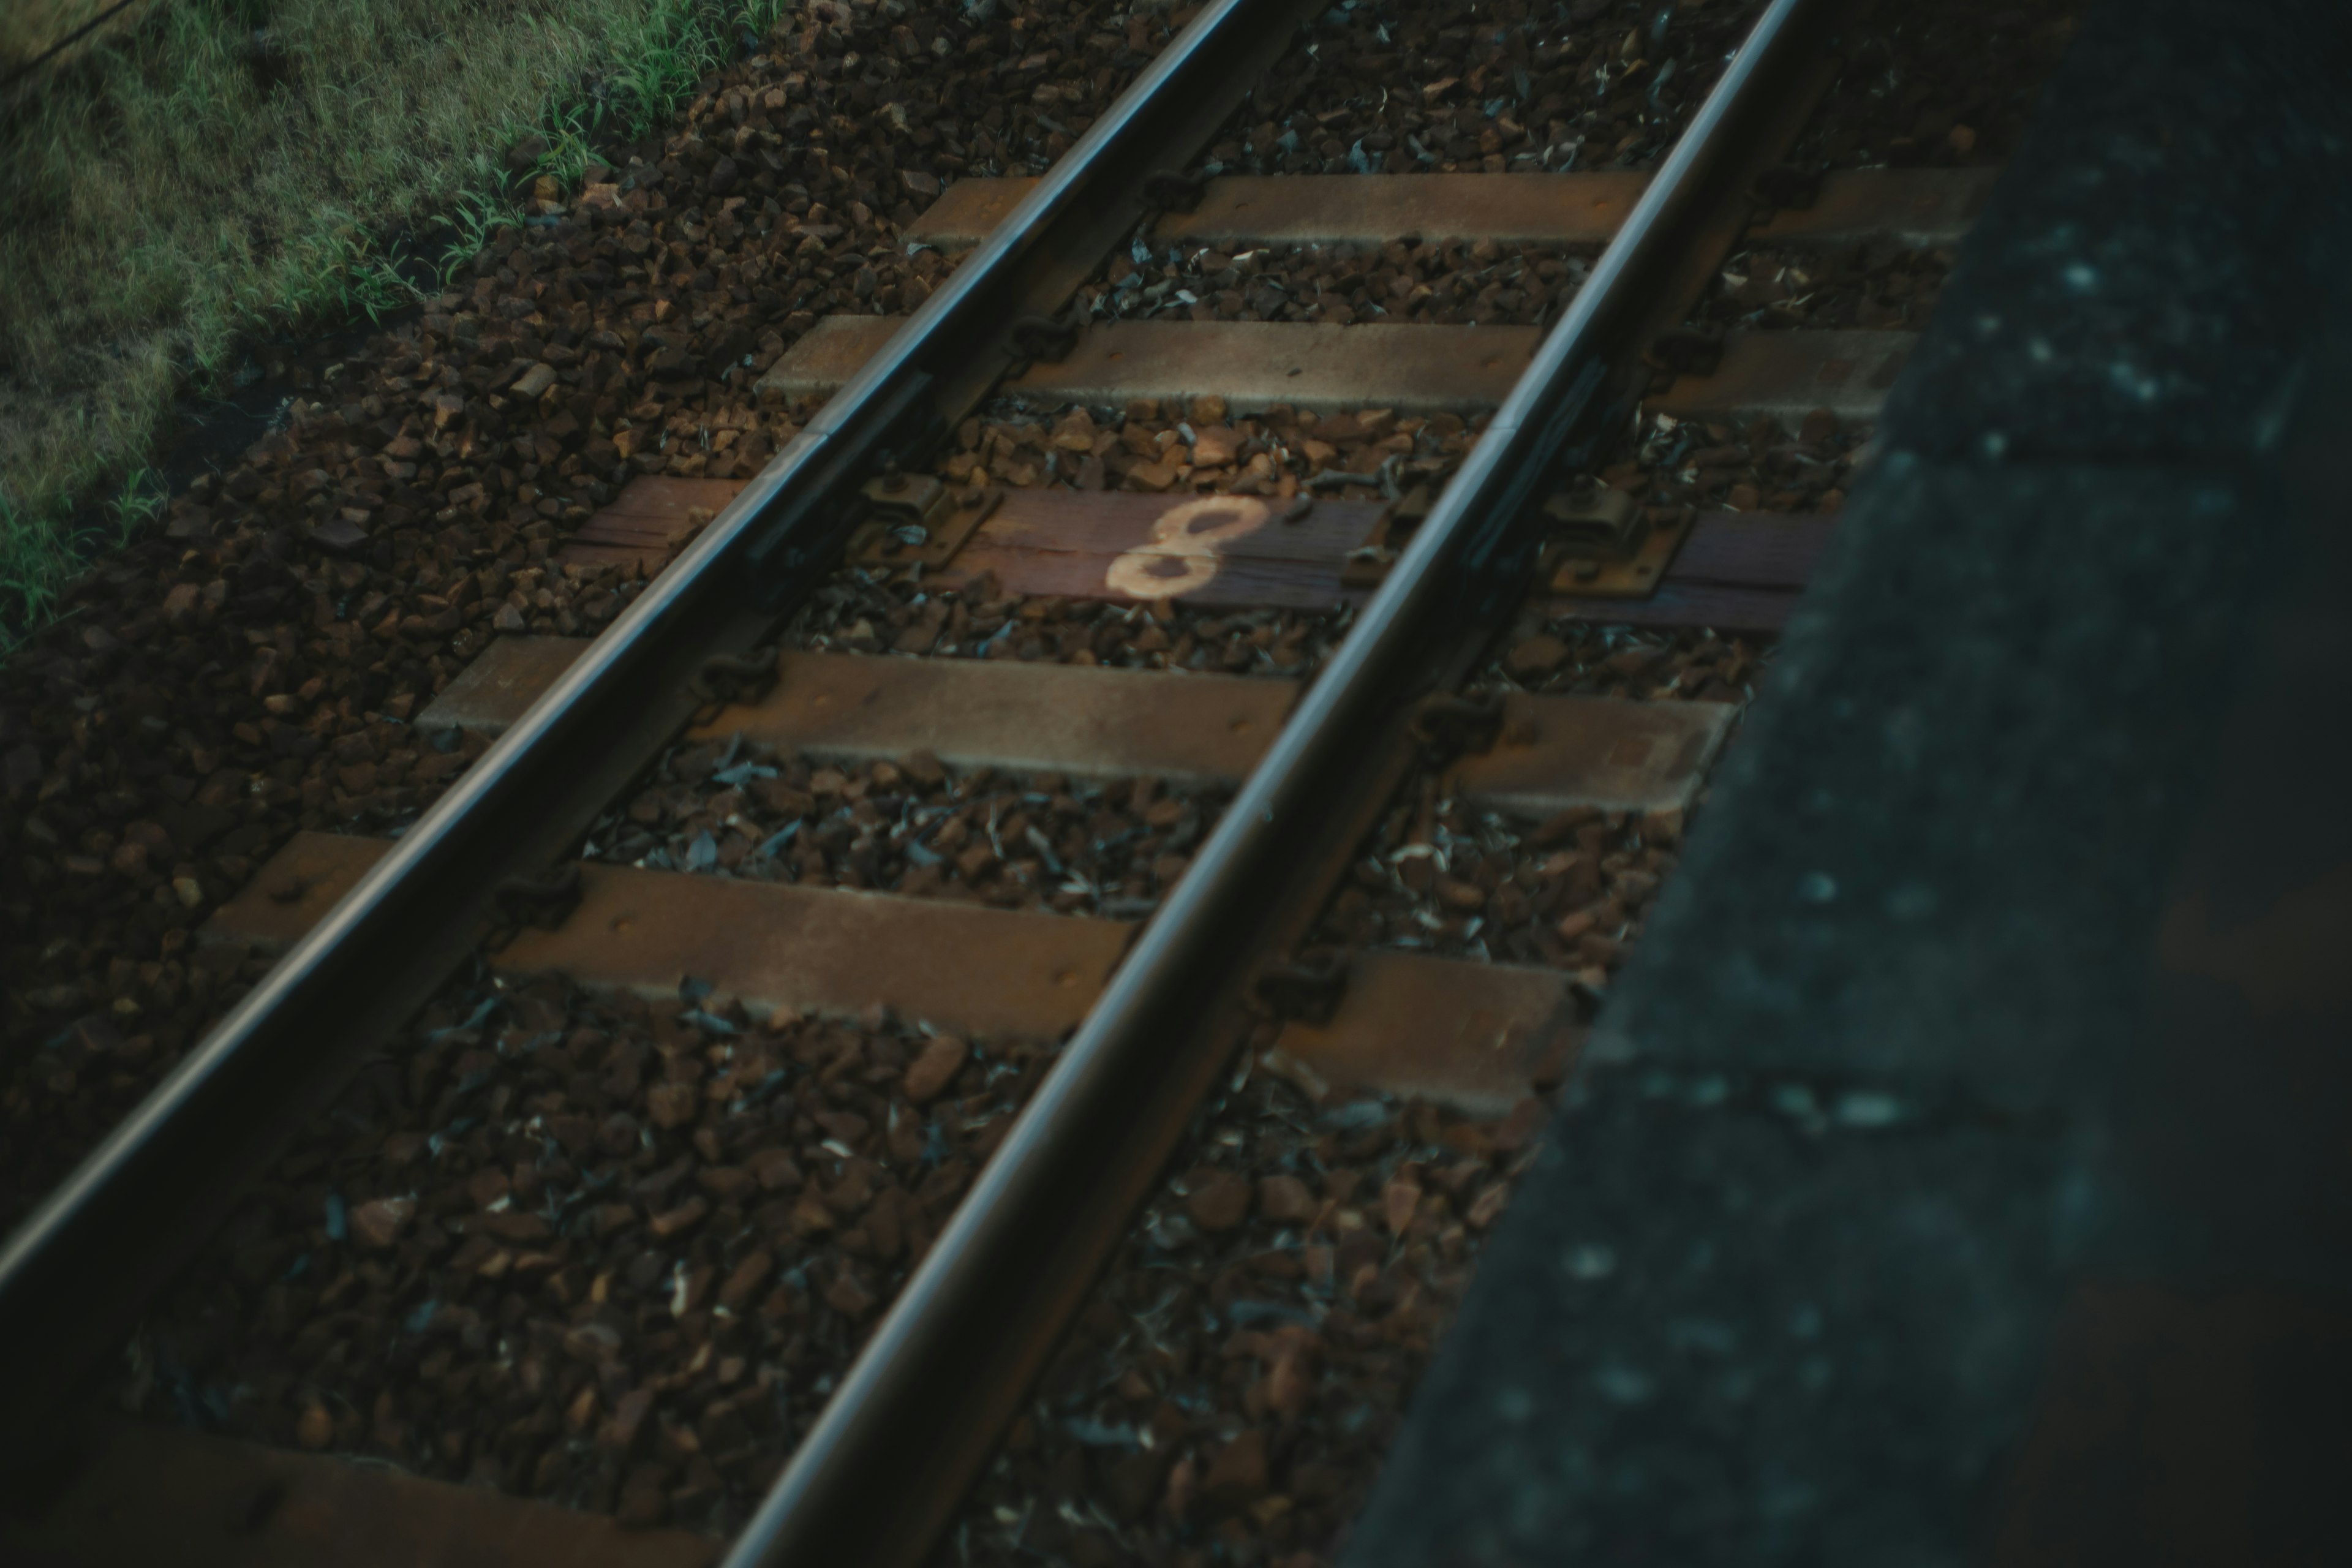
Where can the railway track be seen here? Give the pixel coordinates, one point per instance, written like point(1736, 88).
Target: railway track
point(847, 1009)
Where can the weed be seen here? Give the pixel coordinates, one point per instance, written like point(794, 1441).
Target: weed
point(137, 504)
point(28, 582)
point(232, 168)
point(472, 219)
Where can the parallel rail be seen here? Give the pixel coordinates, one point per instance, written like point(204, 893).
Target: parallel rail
point(921, 1408)
point(876, 1477)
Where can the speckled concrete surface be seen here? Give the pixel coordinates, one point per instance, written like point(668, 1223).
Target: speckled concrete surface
point(1953, 1174)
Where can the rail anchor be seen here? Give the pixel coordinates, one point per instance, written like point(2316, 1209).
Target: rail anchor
point(1604, 544)
point(1307, 988)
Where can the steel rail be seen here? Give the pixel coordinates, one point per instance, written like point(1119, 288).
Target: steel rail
point(879, 1474)
point(75, 1276)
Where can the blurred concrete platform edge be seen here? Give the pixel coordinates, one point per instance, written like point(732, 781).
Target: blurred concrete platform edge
point(1962, 1171)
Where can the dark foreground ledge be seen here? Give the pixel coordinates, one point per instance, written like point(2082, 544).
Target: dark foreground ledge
point(1963, 1170)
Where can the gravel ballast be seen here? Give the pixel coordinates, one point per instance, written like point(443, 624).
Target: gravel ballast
point(1426, 282)
point(1496, 88)
point(1229, 1390)
point(868, 613)
point(1206, 445)
point(1763, 466)
point(1444, 877)
point(588, 1249)
point(1877, 287)
point(912, 827)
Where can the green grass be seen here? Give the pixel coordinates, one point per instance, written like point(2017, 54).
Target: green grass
point(237, 168)
point(39, 36)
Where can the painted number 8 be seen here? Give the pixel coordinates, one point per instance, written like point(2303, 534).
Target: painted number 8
point(1181, 556)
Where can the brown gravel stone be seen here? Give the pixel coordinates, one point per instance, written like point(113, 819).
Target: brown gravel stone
point(1399, 1201)
point(679, 1220)
point(1532, 658)
point(1220, 1202)
point(1286, 1198)
point(383, 1221)
point(316, 1430)
point(930, 1072)
point(1237, 1475)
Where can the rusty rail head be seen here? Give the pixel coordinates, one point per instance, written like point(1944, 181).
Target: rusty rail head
point(919, 1413)
point(75, 1276)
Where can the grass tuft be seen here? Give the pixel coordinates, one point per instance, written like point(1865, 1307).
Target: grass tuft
point(233, 169)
